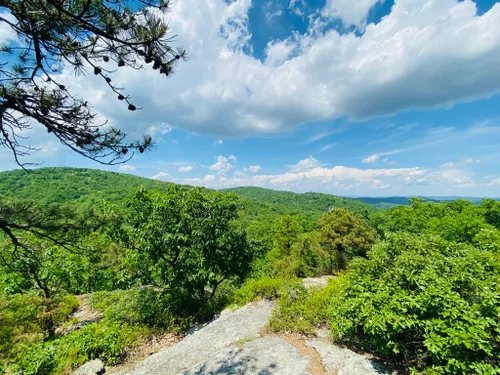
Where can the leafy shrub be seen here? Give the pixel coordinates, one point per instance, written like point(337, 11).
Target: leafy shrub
point(304, 310)
point(430, 303)
point(106, 340)
point(23, 317)
point(265, 287)
point(138, 306)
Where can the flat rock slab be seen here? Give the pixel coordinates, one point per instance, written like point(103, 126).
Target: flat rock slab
point(209, 342)
point(344, 361)
point(262, 356)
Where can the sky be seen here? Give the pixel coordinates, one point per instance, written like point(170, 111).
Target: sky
point(349, 97)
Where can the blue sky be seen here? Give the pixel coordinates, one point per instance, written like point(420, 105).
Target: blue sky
point(364, 97)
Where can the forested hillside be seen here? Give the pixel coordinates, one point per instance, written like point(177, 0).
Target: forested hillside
point(58, 185)
point(305, 202)
point(260, 208)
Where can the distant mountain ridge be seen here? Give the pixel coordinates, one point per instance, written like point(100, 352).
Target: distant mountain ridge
point(386, 202)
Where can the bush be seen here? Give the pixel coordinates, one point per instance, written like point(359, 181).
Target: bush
point(106, 340)
point(304, 310)
point(427, 302)
point(138, 306)
point(265, 287)
point(23, 319)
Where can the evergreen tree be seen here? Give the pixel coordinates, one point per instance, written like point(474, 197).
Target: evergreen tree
point(97, 36)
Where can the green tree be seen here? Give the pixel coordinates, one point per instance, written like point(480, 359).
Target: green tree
point(286, 232)
point(344, 235)
point(190, 238)
point(304, 259)
point(97, 35)
point(491, 212)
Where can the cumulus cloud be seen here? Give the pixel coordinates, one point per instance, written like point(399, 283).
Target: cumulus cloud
point(305, 165)
point(127, 168)
point(313, 177)
point(421, 55)
point(162, 176)
point(351, 12)
point(6, 32)
point(223, 164)
point(456, 176)
point(371, 159)
point(185, 169)
point(161, 128)
point(254, 168)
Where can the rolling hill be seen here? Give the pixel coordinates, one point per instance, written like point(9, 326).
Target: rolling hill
point(260, 209)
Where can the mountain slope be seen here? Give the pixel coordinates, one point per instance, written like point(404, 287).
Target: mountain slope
point(302, 202)
point(58, 185)
point(260, 209)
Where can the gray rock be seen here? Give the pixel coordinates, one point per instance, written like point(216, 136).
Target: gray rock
point(94, 367)
point(344, 361)
point(262, 356)
point(320, 282)
point(209, 341)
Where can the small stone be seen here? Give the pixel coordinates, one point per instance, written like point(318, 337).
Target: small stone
point(94, 367)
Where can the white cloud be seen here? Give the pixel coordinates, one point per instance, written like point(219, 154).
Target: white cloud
point(254, 168)
point(223, 164)
point(6, 32)
point(326, 147)
point(494, 182)
point(463, 162)
point(218, 142)
point(296, 6)
point(127, 168)
point(187, 168)
point(305, 165)
point(416, 181)
point(162, 129)
point(351, 12)
point(270, 16)
point(324, 134)
point(162, 176)
point(421, 55)
point(456, 176)
point(277, 51)
point(378, 184)
point(317, 178)
point(371, 159)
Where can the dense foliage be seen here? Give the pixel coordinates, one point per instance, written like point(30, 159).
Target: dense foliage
point(429, 302)
point(186, 242)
